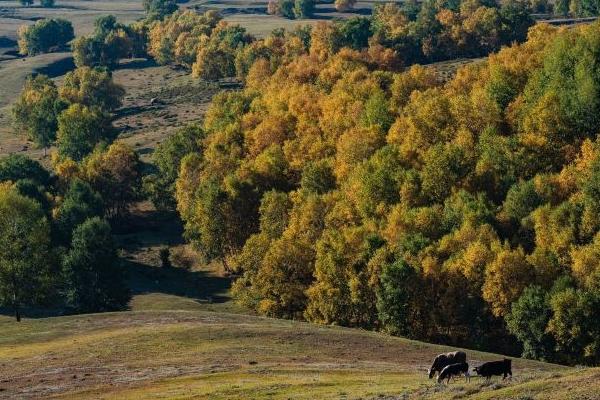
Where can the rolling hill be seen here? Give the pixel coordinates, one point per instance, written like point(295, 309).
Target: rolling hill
point(215, 355)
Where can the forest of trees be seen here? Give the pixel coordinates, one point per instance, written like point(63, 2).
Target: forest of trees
point(415, 33)
point(462, 212)
point(344, 184)
point(55, 228)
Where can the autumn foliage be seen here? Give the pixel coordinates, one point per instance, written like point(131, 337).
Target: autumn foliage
point(342, 192)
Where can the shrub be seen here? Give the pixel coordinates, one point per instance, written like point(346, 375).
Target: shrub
point(44, 36)
point(158, 9)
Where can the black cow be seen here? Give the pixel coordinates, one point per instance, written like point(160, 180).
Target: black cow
point(453, 370)
point(492, 368)
point(443, 360)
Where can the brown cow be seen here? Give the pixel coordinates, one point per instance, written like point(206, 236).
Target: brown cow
point(442, 360)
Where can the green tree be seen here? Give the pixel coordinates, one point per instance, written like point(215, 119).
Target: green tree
point(44, 36)
point(18, 166)
point(95, 279)
point(168, 155)
point(561, 7)
point(110, 42)
point(304, 8)
point(79, 204)
point(116, 174)
point(521, 200)
point(105, 25)
point(211, 220)
point(355, 32)
point(318, 177)
point(445, 166)
point(158, 9)
point(399, 290)
point(80, 129)
point(47, 3)
point(26, 2)
point(92, 87)
point(32, 189)
point(377, 112)
point(516, 19)
point(285, 8)
point(24, 250)
point(35, 112)
point(528, 321)
point(575, 324)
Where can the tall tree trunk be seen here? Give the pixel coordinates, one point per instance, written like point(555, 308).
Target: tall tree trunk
point(16, 307)
point(17, 313)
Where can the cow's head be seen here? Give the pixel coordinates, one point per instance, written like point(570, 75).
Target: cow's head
point(431, 372)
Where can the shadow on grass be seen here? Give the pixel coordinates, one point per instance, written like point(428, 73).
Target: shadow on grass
point(57, 68)
point(33, 312)
point(195, 285)
point(136, 63)
point(151, 229)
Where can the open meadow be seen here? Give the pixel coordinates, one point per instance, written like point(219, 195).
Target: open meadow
point(175, 354)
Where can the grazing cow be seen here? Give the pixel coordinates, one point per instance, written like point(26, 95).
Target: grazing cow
point(443, 360)
point(492, 368)
point(453, 370)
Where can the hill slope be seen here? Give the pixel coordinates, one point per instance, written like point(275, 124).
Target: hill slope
point(199, 354)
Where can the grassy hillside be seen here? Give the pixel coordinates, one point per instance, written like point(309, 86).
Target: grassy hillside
point(201, 354)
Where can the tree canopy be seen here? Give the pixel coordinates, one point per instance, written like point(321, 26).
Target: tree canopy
point(441, 210)
point(45, 35)
point(24, 250)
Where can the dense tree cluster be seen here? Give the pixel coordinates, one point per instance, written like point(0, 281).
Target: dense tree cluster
point(56, 244)
point(76, 116)
point(44, 36)
point(202, 43)
point(395, 36)
point(577, 8)
point(458, 212)
point(110, 42)
point(158, 9)
point(436, 30)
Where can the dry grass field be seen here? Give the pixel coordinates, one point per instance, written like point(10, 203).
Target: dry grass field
point(175, 354)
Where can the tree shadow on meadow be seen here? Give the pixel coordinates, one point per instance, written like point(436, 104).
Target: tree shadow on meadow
point(141, 238)
point(57, 68)
point(200, 286)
